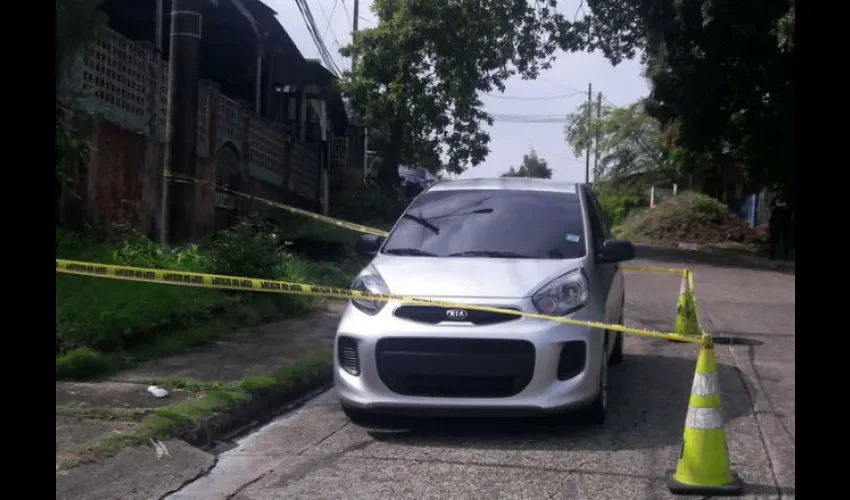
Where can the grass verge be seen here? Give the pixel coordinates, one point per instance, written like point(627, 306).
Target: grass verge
point(107, 325)
point(219, 410)
point(85, 363)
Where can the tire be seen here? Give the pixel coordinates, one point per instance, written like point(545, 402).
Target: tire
point(617, 354)
point(597, 411)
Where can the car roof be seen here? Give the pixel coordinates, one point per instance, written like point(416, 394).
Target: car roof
point(509, 184)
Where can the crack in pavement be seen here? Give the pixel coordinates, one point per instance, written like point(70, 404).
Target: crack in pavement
point(191, 480)
point(302, 452)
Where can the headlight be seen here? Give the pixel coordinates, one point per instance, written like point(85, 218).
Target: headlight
point(563, 295)
point(369, 281)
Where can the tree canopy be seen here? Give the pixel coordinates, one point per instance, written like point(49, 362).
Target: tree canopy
point(418, 73)
point(721, 73)
point(629, 140)
point(532, 166)
point(722, 77)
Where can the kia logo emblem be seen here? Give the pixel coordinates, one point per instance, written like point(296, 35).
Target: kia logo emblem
point(456, 314)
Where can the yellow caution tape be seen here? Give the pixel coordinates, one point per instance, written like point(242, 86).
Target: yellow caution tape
point(661, 270)
point(330, 220)
point(202, 280)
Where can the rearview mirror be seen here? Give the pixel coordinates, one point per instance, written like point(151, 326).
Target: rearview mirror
point(616, 251)
point(368, 245)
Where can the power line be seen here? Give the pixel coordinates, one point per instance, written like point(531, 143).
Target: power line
point(328, 20)
point(539, 98)
point(310, 22)
point(508, 118)
point(347, 15)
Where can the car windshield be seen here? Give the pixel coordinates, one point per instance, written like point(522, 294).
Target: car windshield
point(491, 224)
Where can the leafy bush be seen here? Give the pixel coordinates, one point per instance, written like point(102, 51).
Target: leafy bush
point(112, 316)
point(250, 248)
point(689, 217)
point(619, 201)
point(139, 251)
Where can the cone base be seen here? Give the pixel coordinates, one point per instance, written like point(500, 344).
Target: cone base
point(736, 487)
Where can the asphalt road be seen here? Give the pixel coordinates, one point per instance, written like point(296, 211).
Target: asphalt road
point(315, 454)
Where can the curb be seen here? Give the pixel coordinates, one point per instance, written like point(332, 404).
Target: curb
point(258, 410)
point(700, 253)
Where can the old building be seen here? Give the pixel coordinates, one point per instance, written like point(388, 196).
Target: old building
point(270, 123)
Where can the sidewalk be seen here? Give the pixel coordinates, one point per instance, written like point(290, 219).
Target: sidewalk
point(116, 440)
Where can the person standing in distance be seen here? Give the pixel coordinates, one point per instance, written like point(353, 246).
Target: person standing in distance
point(779, 225)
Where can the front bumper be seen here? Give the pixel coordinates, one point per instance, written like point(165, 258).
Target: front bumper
point(511, 368)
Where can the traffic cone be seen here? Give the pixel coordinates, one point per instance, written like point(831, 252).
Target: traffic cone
point(686, 323)
point(703, 467)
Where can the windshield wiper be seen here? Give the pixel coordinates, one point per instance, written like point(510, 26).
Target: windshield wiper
point(422, 222)
point(409, 251)
point(491, 253)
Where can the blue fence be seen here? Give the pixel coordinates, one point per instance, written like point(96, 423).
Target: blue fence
point(747, 209)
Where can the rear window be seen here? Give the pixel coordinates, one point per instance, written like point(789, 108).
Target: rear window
point(485, 223)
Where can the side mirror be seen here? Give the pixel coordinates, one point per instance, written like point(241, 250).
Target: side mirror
point(616, 251)
point(368, 245)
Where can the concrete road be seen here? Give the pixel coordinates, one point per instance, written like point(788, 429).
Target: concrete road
point(315, 454)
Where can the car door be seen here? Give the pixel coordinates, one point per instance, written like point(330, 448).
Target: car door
point(608, 276)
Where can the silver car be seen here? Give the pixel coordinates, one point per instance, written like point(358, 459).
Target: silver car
point(513, 243)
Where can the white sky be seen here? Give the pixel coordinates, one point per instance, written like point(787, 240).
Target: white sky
point(509, 141)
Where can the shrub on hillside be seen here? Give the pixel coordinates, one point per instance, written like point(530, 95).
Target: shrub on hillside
point(688, 218)
point(618, 201)
point(108, 315)
point(139, 251)
point(250, 248)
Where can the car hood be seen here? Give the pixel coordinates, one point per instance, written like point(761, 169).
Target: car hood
point(470, 277)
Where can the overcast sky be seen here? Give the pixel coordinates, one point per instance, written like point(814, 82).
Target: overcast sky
point(509, 141)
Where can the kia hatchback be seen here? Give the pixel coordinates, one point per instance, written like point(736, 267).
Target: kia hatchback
point(512, 243)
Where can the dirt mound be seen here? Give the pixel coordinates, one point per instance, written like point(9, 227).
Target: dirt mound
point(689, 218)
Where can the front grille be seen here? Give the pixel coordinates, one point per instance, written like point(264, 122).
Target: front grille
point(572, 359)
point(449, 368)
point(433, 315)
point(347, 355)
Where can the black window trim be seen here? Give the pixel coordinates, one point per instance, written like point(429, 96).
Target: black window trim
point(596, 225)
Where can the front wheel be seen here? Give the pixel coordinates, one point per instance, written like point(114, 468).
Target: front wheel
point(617, 354)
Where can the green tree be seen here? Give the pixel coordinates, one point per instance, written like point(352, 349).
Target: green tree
point(532, 166)
point(722, 75)
point(629, 140)
point(418, 73)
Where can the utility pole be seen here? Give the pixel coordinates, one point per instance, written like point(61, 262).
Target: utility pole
point(181, 125)
point(355, 25)
point(589, 119)
point(154, 121)
point(598, 121)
